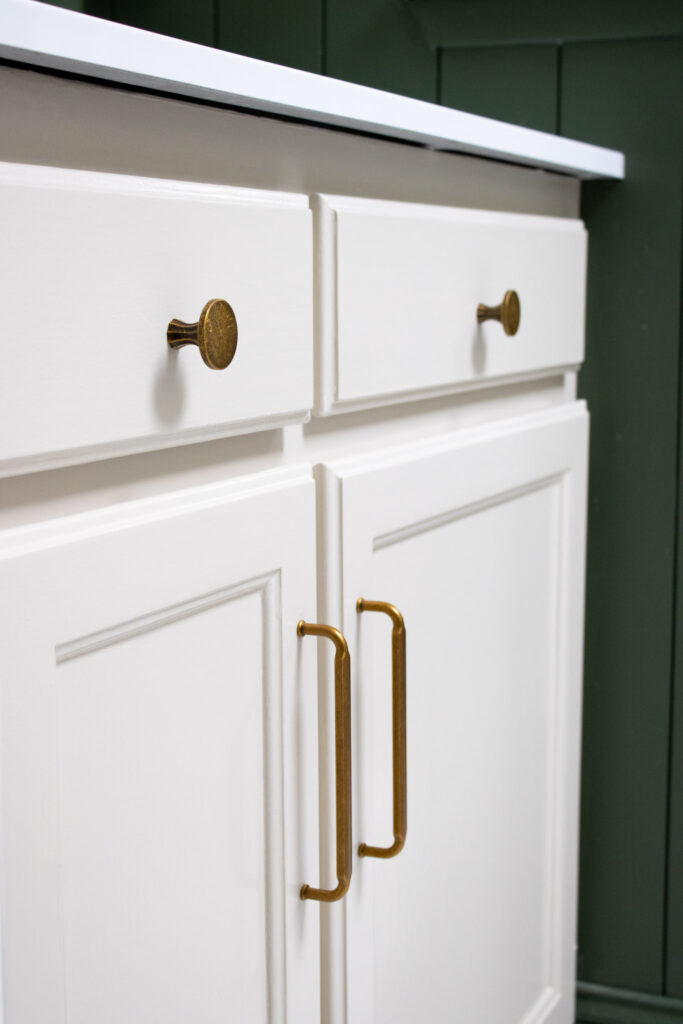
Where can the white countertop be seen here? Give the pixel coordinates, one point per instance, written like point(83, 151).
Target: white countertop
point(39, 34)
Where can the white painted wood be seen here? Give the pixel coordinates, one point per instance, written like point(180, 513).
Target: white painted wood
point(478, 538)
point(167, 783)
point(92, 268)
point(159, 763)
point(66, 40)
point(332, 916)
point(398, 289)
point(40, 497)
point(42, 119)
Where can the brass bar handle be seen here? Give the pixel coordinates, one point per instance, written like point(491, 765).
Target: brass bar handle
point(215, 334)
point(342, 747)
point(398, 722)
point(508, 313)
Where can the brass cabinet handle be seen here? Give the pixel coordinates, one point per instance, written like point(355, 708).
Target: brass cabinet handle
point(398, 719)
point(342, 746)
point(215, 334)
point(508, 313)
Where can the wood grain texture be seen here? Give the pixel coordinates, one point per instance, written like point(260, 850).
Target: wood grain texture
point(513, 83)
point(621, 94)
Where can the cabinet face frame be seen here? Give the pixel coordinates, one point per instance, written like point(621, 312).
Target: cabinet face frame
point(371, 502)
point(82, 585)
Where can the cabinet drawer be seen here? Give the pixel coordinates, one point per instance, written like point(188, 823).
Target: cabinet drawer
point(92, 269)
point(399, 286)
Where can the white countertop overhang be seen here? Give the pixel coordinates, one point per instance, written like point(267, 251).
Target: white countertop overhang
point(52, 37)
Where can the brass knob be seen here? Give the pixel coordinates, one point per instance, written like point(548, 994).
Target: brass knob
point(508, 313)
point(215, 334)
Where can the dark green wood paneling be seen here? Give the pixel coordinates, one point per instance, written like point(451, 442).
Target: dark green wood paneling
point(512, 83)
point(282, 31)
point(483, 22)
point(99, 8)
point(674, 945)
point(378, 43)
point(597, 1004)
point(620, 94)
point(71, 5)
point(192, 21)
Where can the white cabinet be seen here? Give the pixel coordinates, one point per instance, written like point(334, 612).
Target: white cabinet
point(170, 771)
point(478, 541)
point(159, 762)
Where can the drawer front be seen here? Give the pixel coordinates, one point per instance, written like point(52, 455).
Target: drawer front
point(92, 269)
point(399, 286)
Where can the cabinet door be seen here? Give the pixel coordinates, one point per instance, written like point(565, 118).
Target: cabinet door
point(479, 542)
point(159, 762)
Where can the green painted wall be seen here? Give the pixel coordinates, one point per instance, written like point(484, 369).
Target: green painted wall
point(624, 93)
point(610, 73)
point(513, 83)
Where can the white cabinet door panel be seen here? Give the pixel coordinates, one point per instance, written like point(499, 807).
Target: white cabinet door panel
point(479, 542)
point(159, 739)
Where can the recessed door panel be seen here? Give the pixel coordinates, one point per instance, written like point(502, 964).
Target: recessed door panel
point(473, 874)
point(162, 821)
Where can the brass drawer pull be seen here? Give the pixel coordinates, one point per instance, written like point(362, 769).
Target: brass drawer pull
point(215, 334)
point(398, 720)
point(508, 313)
point(342, 747)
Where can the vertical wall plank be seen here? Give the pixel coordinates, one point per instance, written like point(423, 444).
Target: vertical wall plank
point(512, 83)
point(181, 19)
point(378, 43)
point(674, 944)
point(282, 31)
point(482, 22)
point(674, 931)
point(619, 94)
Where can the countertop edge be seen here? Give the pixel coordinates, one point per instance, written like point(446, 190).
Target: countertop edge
point(59, 39)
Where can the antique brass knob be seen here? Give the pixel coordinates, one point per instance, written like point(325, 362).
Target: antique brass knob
point(508, 313)
point(215, 334)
